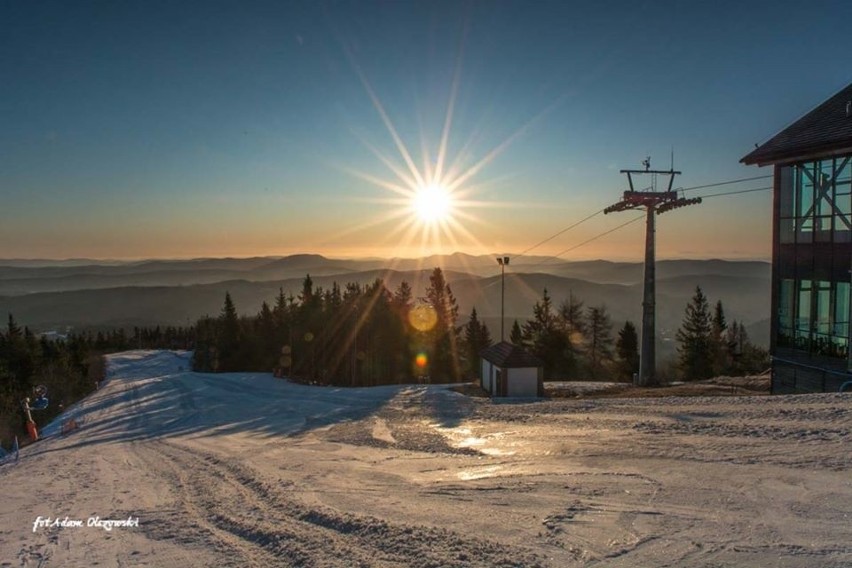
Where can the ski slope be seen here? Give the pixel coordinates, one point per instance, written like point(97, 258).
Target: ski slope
point(248, 470)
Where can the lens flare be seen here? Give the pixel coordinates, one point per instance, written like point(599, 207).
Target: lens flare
point(423, 317)
point(421, 360)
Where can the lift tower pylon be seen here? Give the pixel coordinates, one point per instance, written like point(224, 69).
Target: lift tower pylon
point(654, 202)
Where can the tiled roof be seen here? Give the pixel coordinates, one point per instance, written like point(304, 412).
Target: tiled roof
point(826, 128)
point(505, 354)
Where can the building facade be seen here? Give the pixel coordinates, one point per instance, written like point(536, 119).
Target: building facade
point(811, 248)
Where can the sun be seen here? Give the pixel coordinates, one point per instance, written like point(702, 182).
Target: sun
point(432, 203)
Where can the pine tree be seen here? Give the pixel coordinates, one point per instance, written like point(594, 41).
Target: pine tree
point(445, 354)
point(307, 324)
point(229, 338)
point(282, 314)
point(573, 322)
point(13, 331)
point(403, 299)
point(476, 338)
point(546, 339)
point(267, 356)
point(627, 349)
point(19, 360)
point(599, 334)
point(719, 326)
point(403, 295)
point(695, 339)
point(516, 336)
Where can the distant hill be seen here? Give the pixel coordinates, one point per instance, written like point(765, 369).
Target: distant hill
point(126, 296)
point(16, 279)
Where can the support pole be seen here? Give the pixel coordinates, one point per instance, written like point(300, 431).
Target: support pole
point(502, 301)
point(654, 203)
point(647, 357)
point(502, 261)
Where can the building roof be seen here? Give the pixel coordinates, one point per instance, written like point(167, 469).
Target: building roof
point(507, 355)
point(825, 130)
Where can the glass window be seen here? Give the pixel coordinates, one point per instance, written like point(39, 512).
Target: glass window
point(804, 204)
point(843, 202)
point(787, 233)
point(822, 229)
point(805, 190)
point(822, 323)
point(785, 304)
point(843, 173)
point(785, 183)
point(841, 310)
point(803, 315)
point(823, 187)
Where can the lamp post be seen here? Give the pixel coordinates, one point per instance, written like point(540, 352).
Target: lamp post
point(503, 262)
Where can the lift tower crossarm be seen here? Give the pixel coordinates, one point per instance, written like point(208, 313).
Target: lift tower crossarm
point(670, 173)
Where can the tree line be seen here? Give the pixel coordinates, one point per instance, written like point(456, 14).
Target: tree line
point(577, 342)
point(708, 346)
point(355, 335)
point(574, 341)
point(363, 335)
point(70, 366)
point(65, 367)
point(368, 335)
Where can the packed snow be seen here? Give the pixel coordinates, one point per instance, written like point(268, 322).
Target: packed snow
point(248, 470)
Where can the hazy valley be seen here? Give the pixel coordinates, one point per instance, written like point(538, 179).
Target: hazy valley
point(54, 295)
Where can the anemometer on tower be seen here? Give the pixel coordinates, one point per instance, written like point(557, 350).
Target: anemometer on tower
point(654, 202)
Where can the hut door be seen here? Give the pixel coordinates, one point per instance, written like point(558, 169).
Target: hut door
point(501, 387)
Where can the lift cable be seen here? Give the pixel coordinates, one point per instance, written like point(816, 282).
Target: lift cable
point(587, 241)
point(596, 213)
point(724, 183)
point(736, 192)
point(565, 230)
point(603, 234)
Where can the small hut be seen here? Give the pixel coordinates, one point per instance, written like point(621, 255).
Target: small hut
point(510, 370)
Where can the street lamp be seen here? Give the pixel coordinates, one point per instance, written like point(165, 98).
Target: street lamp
point(503, 262)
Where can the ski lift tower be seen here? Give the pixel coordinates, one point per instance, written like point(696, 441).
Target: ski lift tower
point(654, 202)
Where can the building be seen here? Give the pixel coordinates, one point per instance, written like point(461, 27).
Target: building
point(510, 370)
point(811, 247)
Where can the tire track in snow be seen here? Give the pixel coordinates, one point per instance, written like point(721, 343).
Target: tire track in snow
point(231, 508)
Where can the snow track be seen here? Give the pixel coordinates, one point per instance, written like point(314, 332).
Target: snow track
point(255, 523)
point(247, 470)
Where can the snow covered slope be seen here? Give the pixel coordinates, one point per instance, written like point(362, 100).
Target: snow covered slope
point(248, 470)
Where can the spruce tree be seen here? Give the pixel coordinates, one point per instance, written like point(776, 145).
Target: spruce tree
point(445, 341)
point(546, 339)
point(229, 337)
point(627, 349)
point(719, 327)
point(516, 336)
point(599, 343)
point(402, 303)
point(13, 331)
point(573, 322)
point(476, 338)
point(403, 300)
point(268, 341)
point(695, 339)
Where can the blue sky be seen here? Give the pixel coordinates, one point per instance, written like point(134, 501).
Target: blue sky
point(180, 129)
